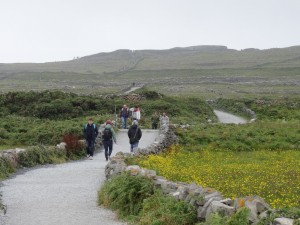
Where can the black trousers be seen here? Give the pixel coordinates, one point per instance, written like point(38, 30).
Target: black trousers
point(90, 145)
point(108, 147)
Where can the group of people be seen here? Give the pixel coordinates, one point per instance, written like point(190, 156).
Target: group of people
point(125, 113)
point(134, 133)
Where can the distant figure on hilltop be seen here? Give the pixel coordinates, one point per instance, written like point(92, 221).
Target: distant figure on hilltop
point(134, 135)
point(108, 136)
point(90, 133)
point(136, 113)
point(124, 116)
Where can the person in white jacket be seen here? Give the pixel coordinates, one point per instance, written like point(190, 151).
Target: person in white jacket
point(136, 113)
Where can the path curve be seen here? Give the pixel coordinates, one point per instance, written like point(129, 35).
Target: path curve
point(225, 117)
point(64, 194)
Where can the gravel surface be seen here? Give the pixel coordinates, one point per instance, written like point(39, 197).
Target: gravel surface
point(229, 118)
point(64, 194)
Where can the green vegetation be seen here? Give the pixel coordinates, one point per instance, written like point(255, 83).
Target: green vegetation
point(239, 218)
point(135, 199)
point(268, 135)
point(126, 193)
point(33, 118)
point(40, 155)
point(6, 168)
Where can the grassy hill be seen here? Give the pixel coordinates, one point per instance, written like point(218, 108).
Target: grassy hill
point(208, 71)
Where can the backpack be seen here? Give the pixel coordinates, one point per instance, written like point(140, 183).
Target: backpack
point(107, 134)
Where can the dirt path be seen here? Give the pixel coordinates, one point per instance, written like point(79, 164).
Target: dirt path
point(229, 118)
point(63, 194)
point(132, 89)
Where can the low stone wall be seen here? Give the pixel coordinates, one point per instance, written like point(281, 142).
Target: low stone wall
point(206, 200)
point(12, 155)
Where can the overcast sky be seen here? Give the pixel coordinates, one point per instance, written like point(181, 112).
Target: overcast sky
point(55, 30)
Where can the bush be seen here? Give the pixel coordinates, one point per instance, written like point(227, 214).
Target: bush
point(126, 193)
point(40, 155)
point(239, 218)
point(6, 168)
point(166, 210)
point(73, 145)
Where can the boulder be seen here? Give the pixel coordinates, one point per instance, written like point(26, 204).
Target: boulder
point(134, 170)
point(217, 206)
point(283, 221)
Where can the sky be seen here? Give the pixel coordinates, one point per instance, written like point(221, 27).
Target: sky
point(58, 30)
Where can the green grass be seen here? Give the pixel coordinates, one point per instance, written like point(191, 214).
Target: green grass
point(136, 200)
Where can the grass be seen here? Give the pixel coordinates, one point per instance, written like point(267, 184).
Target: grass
point(271, 135)
point(274, 176)
point(136, 200)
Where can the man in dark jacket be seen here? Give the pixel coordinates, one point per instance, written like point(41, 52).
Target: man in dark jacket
point(124, 116)
point(90, 132)
point(134, 134)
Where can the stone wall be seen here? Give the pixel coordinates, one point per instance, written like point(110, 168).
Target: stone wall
point(12, 155)
point(206, 200)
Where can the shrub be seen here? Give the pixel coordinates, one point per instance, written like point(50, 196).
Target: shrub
point(6, 168)
point(239, 218)
point(41, 155)
point(166, 210)
point(126, 193)
point(73, 145)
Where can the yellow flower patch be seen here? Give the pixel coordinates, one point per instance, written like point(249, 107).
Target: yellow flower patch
point(274, 176)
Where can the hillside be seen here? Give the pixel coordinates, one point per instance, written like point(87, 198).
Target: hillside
point(163, 70)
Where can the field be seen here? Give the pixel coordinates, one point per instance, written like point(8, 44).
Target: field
point(272, 175)
point(260, 158)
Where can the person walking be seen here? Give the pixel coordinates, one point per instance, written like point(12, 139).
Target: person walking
point(134, 134)
point(90, 133)
point(164, 122)
point(136, 113)
point(155, 120)
point(108, 136)
point(124, 116)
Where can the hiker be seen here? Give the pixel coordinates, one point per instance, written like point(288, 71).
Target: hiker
point(136, 113)
point(155, 120)
point(134, 134)
point(108, 136)
point(90, 132)
point(124, 116)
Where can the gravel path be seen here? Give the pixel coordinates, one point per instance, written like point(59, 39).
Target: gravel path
point(64, 194)
point(229, 118)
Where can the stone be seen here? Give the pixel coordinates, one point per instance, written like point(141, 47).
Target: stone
point(227, 201)
point(213, 195)
point(62, 146)
point(183, 192)
point(217, 206)
point(253, 217)
point(134, 170)
point(283, 221)
point(201, 212)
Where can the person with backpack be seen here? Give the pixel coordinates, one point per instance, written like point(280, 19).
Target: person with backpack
point(134, 134)
point(124, 116)
point(108, 136)
point(90, 133)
